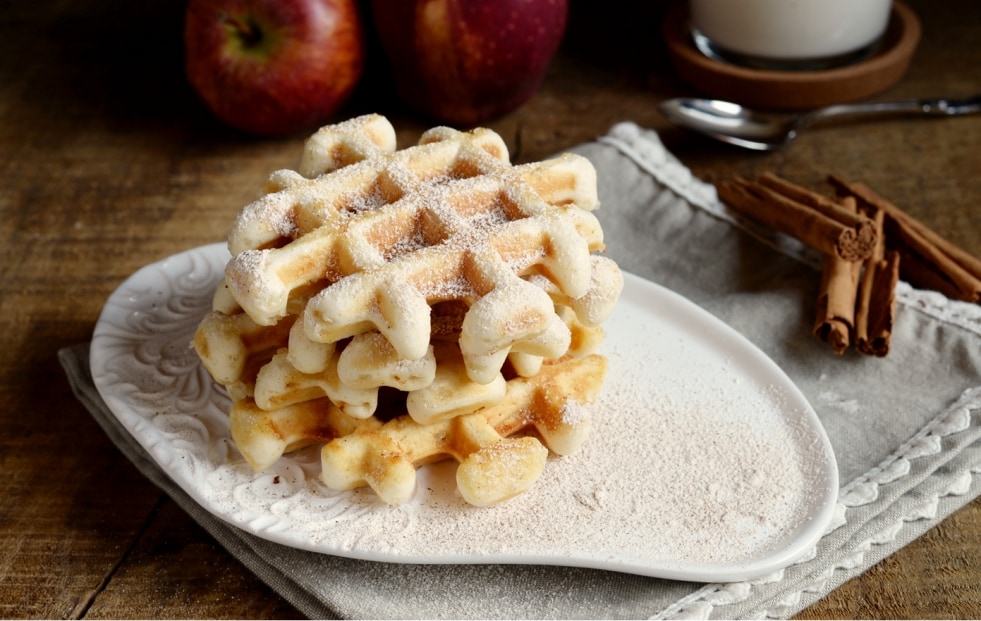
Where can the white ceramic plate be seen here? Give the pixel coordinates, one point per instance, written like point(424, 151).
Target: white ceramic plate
point(704, 461)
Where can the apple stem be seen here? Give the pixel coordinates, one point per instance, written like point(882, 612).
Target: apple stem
point(247, 32)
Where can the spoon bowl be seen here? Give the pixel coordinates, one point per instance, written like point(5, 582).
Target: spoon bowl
point(761, 131)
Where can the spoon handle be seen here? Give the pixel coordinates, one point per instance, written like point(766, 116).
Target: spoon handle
point(952, 107)
point(936, 106)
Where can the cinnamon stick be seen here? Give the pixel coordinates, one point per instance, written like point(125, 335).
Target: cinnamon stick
point(828, 206)
point(850, 241)
point(876, 306)
point(835, 319)
point(927, 259)
point(882, 308)
point(921, 273)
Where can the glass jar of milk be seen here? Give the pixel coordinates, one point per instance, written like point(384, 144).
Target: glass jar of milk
point(789, 34)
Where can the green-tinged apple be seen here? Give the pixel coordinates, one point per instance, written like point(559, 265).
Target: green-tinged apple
point(467, 61)
point(273, 67)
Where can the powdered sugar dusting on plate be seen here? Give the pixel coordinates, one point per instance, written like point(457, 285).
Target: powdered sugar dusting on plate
point(686, 462)
point(690, 461)
point(703, 461)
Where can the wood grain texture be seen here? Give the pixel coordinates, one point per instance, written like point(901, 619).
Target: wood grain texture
point(109, 163)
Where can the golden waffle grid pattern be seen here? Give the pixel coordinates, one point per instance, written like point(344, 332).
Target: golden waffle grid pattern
point(439, 271)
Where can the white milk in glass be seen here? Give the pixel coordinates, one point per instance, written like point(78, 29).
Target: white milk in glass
point(788, 30)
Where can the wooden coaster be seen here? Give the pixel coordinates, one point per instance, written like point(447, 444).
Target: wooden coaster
point(794, 90)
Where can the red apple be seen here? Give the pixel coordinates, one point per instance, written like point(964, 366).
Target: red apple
point(466, 61)
point(273, 67)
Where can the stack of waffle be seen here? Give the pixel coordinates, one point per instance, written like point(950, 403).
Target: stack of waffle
point(405, 306)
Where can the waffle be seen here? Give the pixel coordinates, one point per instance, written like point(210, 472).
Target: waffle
point(496, 462)
point(439, 273)
point(277, 366)
point(233, 348)
point(391, 233)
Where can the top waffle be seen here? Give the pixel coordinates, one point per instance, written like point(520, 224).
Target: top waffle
point(369, 238)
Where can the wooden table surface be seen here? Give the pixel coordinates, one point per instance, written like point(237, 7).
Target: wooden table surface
point(109, 163)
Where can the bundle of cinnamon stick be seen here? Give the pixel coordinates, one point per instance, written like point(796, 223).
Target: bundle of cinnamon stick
point(867, 243)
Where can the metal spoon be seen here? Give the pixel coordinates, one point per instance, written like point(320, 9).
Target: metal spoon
point(734, 124)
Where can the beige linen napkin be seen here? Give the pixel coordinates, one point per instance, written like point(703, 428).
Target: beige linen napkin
point(906, 429)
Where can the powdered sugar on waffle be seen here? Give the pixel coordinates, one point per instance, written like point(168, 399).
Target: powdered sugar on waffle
point(362, 243)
